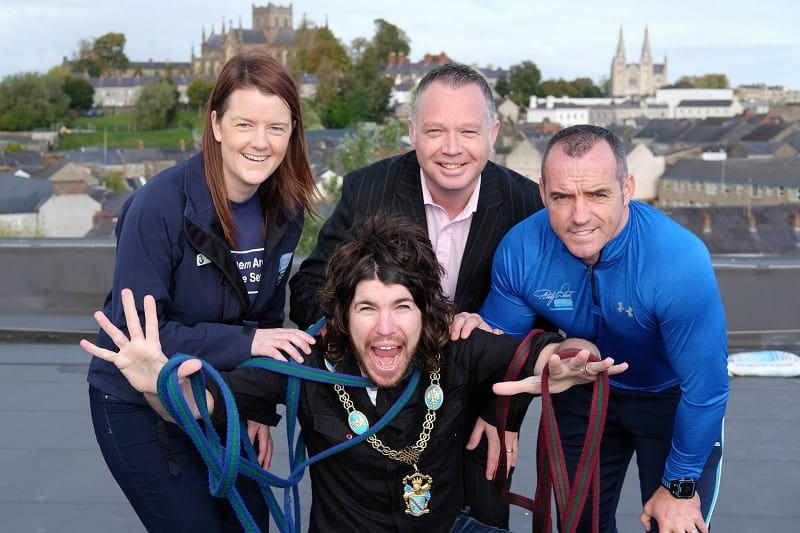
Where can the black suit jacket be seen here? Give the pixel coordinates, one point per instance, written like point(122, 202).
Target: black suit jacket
point(505, 198)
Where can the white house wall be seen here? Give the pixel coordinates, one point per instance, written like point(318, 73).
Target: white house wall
point(67, 215)
point(647, 169)
point(19, 225)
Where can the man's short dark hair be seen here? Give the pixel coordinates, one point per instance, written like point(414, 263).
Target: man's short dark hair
point(393, 250)
point(579, 139)
point(455, 75)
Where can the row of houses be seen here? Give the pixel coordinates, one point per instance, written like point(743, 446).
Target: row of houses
point(748, 165)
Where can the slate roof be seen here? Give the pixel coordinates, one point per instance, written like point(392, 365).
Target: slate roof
point(93, 154)
point(705, 103)
point(140, 155)
point(21, 159)
point(665, 130)
point(214, 41)
point(138, 81)
point(178, 155)
point(286, 36)
point(764, 132)
point(111, 201)
point(758, 148)
point(730, 232)
point(23, 195)
point(321, 146)
point(772, 172)
point(704, 133)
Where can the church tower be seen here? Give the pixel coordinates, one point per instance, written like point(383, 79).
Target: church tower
point(636, 79)
point(646, 67)
point(617, 81)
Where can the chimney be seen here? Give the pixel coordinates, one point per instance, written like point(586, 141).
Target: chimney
point(706, 222)
point(427, 60)
point(401, 58)
point(391, 59)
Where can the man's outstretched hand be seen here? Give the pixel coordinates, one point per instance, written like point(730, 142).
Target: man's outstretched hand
point(139, 358)
point(564, 373)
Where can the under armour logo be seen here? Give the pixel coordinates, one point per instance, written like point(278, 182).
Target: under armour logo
point(622, 309)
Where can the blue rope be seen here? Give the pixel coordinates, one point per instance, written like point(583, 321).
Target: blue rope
point(225, 462)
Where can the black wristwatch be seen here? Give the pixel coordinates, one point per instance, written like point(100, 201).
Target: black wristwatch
point(680, 488)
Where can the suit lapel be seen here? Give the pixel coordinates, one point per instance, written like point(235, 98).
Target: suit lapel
point(488, 227)
point(408, 199)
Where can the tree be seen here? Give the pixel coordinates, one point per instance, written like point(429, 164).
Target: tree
point(327, 82)
point(585, 88)
point(348, 107)
point(157, 105)
point(109, 51)
point(390, 138)
point(501, 87)
point(368, 145)
point(326, 46)
point(559, 87)
point(523, 80)
point(311, 118)
point(389, 38)
point(577, 88)
point(304, 40)
point(706, 81)
point(80, 93)
point(198, 92)
point(87, 65)
point(357, 48)
point(31, 100)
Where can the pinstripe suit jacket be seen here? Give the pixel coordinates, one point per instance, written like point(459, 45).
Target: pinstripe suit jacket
point(505, 198)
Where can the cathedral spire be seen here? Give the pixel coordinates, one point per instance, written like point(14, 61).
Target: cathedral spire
point(621, 45)
point(646, 55)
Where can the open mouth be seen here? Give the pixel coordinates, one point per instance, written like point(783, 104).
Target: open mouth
point(386, 358)
point(451, 166)
point(256, 158)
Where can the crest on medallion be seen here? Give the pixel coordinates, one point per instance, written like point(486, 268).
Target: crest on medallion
point(417, 493)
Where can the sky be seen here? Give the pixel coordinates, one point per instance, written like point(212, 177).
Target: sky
point(750, 42)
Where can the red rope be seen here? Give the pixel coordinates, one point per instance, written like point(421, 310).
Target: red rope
point(551, 470)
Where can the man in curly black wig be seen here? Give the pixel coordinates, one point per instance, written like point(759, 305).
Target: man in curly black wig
point(392, 251)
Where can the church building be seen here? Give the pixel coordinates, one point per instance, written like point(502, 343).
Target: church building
point(272, 30)
point(636, 79)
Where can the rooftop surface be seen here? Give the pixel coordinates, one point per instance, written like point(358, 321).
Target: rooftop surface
point(54, 478)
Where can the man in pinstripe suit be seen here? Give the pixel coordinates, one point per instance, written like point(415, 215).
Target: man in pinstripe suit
point(466, 203)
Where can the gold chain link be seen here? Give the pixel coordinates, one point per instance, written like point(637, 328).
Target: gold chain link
point(409, 454)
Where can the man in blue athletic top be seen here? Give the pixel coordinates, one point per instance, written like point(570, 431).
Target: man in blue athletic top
point(620, 273)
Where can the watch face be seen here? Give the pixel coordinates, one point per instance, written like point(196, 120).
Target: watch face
point(685, 489)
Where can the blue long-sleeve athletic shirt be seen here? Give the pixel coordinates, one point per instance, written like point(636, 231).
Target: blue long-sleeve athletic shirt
point(651, 300)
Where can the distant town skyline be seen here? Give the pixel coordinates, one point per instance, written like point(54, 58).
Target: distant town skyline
point(749, 43)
